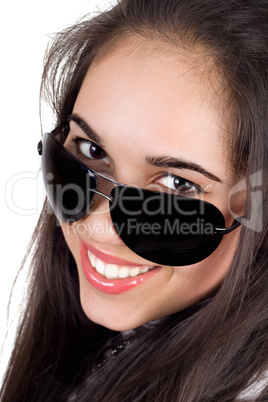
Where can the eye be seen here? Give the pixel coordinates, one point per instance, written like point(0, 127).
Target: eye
point(91, 150)
point(179, 184)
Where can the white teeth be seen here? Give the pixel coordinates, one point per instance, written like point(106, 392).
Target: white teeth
point(100, 266)
point(112, 271)
point(123, 272)
point(135, 271)
point(92, 259)
point(144, 269)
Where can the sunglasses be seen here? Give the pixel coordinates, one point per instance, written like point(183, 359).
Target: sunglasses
point(164, 228)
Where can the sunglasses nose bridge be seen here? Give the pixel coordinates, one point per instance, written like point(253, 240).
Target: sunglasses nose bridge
point(100, 195)
point(104, 187)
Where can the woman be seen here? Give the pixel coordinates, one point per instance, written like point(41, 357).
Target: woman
point(161, 111)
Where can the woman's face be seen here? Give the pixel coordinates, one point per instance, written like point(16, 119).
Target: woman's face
point(139, 106)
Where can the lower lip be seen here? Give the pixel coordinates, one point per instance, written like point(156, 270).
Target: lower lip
point(112, 286)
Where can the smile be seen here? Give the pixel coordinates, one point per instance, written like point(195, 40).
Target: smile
point(112, 271)
point(113, 275)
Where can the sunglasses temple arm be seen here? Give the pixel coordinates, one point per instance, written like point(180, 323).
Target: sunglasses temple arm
point(103, 195)
point(236, 223)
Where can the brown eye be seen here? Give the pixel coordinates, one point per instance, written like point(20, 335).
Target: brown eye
point(91, 150)
point(96, 151)
point(179, 184)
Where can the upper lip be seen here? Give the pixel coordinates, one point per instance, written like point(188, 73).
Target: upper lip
point(111, 259)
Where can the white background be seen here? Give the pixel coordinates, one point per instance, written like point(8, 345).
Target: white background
point(25, 29)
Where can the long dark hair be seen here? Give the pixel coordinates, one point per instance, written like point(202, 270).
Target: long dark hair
point(209, 352)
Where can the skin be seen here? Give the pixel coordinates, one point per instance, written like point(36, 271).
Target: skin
point(152, 104)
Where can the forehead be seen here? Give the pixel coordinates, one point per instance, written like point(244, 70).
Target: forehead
point(156, 100)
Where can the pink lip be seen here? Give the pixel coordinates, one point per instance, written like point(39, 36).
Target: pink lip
point(112, 286)
point(110, 259)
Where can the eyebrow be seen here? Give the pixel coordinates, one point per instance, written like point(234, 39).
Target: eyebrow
point(170, 162)
point(159, 161)
point(89, 131)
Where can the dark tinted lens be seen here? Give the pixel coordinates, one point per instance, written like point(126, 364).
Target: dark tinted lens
point(67, 182)
point(165, 228)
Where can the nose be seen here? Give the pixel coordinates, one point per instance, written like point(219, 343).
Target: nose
point(97, 221)
point(101, 195)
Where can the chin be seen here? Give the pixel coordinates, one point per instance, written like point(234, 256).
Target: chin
point(114, 321)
